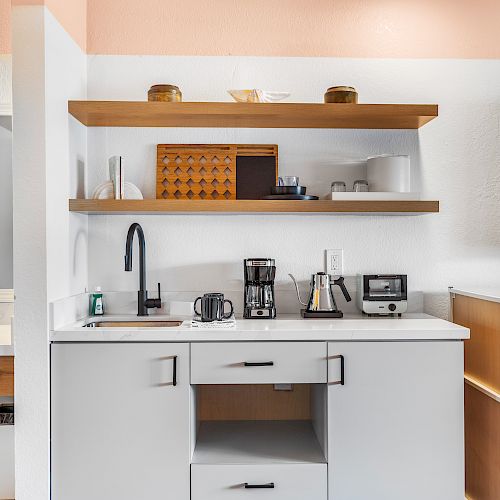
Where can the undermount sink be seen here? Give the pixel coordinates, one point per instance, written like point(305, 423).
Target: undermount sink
point(134, 324)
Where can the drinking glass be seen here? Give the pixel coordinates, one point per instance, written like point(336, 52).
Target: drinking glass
point(288, 180)
point(338, 187)
point(360, 186)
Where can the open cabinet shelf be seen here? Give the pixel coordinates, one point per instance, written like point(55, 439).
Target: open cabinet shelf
point(252, 206)
point(257, 442)
point(248, 115)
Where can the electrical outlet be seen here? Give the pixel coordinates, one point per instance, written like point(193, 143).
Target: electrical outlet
point(334, 262)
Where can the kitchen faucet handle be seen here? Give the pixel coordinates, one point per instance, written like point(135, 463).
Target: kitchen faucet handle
point(149, 303)
point(158, 300)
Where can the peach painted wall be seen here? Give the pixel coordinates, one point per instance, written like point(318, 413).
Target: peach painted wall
point(5, 29)
point(335, 28)
point(72, 14)
point(342, 28)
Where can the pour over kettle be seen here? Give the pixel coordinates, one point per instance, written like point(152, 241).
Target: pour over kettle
point(321, 303)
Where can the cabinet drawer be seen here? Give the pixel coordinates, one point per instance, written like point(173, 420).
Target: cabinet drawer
point(258, 363)
point(290, 481)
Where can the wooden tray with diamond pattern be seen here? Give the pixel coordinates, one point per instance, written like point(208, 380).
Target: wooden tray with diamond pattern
point(202, 171)
point(196, 172)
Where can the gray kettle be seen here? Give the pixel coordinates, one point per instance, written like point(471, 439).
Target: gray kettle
point(321, 303)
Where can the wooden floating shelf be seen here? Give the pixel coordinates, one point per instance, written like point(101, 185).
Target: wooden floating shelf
point(252, 206)
point(246, 115)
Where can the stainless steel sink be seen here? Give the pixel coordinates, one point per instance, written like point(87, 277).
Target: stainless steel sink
point(134, 324)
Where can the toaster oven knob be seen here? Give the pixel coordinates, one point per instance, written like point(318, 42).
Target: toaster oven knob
point(392, 307)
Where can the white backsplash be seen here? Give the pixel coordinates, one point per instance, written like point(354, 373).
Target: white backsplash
point(71, 309)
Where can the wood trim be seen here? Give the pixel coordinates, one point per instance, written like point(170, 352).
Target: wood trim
point(487, 391)
point(253, 402)
point(482, 350)
point(482, 445)
point(248, 115)
point(6, 376)
point(251, 206)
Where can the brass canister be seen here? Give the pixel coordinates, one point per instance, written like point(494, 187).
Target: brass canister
point(164, 93)
point(341, 94)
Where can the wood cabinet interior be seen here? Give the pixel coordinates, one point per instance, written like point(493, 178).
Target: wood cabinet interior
point(6, 376)
point(482, 351)
point(253, 402)
point(482, 445)
point(482, 411)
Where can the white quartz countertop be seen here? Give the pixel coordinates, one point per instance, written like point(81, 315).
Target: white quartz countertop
point(285, 327)
point(491, 294)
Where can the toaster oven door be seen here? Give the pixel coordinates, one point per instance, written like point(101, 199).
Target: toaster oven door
point(385, 287)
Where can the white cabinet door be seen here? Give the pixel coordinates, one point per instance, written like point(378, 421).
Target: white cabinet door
point(395, 427)
point(120, 427)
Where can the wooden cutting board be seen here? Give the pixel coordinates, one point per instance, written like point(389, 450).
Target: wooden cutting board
point(208, 171)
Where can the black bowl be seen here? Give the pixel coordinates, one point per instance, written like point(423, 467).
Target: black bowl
point(288, 190)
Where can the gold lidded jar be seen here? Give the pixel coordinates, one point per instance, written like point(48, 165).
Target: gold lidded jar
point(164, 93)
point(341, 94)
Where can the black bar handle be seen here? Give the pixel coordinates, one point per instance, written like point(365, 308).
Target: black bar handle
point(249, 486)
point(263, 363)
point(174, 371)
point(342, 378)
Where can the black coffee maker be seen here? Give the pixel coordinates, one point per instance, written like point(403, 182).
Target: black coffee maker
point(259, 288)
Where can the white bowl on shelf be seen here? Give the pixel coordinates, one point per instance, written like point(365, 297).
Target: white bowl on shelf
point(257, 95)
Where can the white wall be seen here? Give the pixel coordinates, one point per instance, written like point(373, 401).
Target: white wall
point(454, 159)
point(5, 84)
point(50, 250)
point(6, 278)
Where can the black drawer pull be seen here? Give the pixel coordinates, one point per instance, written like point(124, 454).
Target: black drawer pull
point(174, 371)
point(249, 486)
point(263, 363)
point(342, 367)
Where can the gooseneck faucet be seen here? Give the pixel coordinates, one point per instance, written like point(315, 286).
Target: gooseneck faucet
point(143, 303)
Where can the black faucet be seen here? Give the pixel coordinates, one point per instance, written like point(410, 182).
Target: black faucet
point(143, 303)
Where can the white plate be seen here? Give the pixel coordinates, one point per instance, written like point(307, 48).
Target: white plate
point(105, 191)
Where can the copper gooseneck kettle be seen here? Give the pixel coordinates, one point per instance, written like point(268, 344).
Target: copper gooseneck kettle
point(321, 303)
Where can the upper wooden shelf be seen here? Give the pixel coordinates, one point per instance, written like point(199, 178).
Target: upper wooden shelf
point(252, 206)
point(232, 114)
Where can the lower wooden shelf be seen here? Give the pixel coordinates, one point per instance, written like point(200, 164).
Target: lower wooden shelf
point(253, 206)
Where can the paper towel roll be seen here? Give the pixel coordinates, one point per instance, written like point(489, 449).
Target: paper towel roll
point(389, 173)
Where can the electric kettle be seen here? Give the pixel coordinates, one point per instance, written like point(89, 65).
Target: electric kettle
point(321, 302)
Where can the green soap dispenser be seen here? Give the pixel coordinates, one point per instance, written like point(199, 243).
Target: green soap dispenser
point(97, 303)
